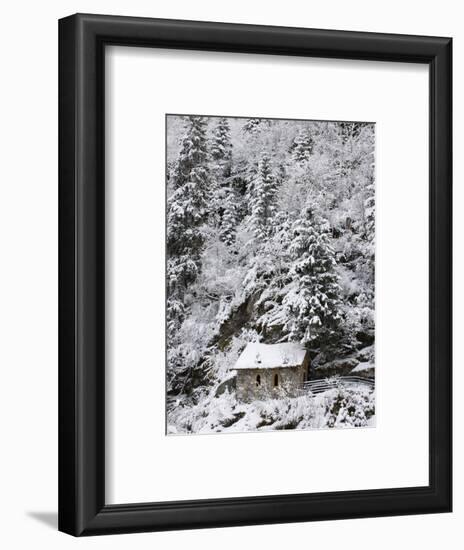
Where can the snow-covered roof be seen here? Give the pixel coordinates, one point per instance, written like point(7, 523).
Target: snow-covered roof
point(268, 356)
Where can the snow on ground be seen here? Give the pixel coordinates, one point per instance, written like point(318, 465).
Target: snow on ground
point(337, 408)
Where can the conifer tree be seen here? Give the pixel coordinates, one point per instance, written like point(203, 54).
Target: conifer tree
point(221, 160)
point(313, 303)
point(349, 130)
point(221, 147)
point(224, 200)
point(369, 213)
point(187, 211)
point(366, 264)
point(263, 198)
point(302, 147)
point(229, 222)
point(281, 174)
point(252, 125)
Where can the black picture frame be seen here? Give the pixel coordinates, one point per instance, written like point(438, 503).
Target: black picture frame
point(82, 508)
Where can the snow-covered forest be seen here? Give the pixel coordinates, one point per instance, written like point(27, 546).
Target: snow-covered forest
point(270, 239)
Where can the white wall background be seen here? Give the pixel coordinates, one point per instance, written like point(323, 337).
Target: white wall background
point(28, 274)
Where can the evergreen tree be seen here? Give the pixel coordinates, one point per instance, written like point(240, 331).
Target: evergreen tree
point(221, 161)
point(369, 214)
point(313, 304)
point(251, 126)
point(302, 147)
point(187, 211)
point(281, 174)
point(229, 218)
point(349, 130)
point(224, 200)
point(221, 146)
point(367, 245)
point(263, 198)
point(273, 279)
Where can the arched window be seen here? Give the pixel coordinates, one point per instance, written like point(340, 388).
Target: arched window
point(258, 380)
point(276, 380)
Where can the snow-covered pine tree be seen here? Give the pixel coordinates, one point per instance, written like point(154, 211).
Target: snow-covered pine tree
point(272, 279)
point(229, 218)
point(349, 130)
point(252, 125)
point(263, 194)
point(221, 145)
point(281, 174)
point(187, 211)
point(369, 214)
point(302, 146)
point(238, 183)
point(191, 166)
point(366, 265)
point(313, 304)
point(225, 199)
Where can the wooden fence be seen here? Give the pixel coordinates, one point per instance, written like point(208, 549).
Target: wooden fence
point(324, 384)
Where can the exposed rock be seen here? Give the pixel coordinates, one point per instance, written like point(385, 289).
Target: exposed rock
point(340, 366)
point(238, 318)
point(345, 365)
point(228, 384)
point(235, 418)
point(364, 369)
point(366, 337)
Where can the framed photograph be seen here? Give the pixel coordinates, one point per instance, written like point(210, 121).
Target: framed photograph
point(255, 274)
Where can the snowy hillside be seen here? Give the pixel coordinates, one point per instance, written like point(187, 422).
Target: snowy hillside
point(270, 238)
point(336, 408)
